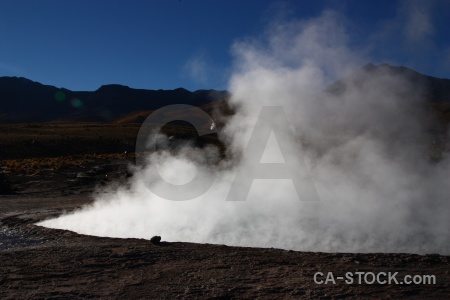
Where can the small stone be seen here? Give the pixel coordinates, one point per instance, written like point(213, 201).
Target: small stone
point(5, 185)
point(155, 240)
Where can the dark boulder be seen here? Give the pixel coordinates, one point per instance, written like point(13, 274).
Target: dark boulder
point(5, 185)
point(155, 240)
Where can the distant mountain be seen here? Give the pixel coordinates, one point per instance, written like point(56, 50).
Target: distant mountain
point(408, 101)
point(23, 100)
point(430, 89)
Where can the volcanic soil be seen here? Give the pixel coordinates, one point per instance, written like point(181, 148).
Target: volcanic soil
point(38, 262)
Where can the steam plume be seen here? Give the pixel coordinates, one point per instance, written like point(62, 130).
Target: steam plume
point(363, 141)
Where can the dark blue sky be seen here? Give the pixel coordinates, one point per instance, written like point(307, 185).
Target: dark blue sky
point(167, 44)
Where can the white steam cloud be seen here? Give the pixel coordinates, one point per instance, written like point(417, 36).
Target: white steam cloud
point(418, 20)
point(197, 69)
point(362, 142)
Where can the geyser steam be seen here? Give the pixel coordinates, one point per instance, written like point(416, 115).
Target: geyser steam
point(363, 142)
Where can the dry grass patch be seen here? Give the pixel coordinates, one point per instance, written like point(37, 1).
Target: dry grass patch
point(54, 164)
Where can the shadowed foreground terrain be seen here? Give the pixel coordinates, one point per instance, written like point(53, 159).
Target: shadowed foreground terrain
point(47, 263)
point(48, 169)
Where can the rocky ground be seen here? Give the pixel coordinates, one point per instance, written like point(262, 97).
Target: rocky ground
point(48, 169)
point(37, 262)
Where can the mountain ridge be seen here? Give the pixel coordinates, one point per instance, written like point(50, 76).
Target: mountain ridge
point(431, 89)
point(24, 100)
